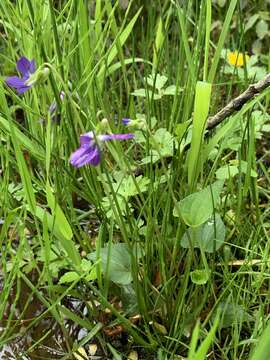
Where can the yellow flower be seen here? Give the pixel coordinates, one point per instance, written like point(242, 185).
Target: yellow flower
point(236, 59)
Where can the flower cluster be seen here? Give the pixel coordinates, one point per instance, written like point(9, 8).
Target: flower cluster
point(89, 151)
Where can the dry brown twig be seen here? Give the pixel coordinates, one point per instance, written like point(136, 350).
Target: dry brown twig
point(237, 103)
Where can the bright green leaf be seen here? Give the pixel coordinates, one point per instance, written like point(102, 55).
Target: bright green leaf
point(262, 29)
point(197, 208)
point(199, 277)
point(156, 80)
point(209, 236)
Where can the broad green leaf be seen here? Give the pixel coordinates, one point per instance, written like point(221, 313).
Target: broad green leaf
point(229, 171)
point(251, 21)
point(233, 314)
point(221, 3)
point(119, 263)
point(181, 129)
point(140, 93)
point(129, 299)
point(133, 355)
point(201, 108)
point(262, 29)
point(209, 236)
point(163, 142)
point(197, 208)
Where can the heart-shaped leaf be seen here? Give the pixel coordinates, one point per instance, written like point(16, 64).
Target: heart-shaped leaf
point(197, 208)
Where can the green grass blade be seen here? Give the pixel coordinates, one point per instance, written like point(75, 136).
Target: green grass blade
point(201, 108)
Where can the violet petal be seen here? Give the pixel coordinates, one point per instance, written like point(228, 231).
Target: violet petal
point(86, 155)
point(24, 66)
point(125, 121)
point(32, 67)
point(23, 89)
point(86, 138)
point(15, 82)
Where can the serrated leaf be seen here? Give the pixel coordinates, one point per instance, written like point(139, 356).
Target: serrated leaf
point(157, 80)
point(69, 277)
point(139, 92)
point(181, 129)
point(163, 142)
point(129, 186)
point(172, 90)
point(145, 94)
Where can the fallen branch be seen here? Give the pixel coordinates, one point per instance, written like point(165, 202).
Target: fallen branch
point(237, 103)
point(251, 262)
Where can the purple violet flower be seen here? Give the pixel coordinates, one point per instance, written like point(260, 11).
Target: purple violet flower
point(26, 68)
point(125, 121)
point(89, 151)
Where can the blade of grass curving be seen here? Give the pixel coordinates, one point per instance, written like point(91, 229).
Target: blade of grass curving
point(24, 172)
point(262, 349)
point(207, 37)
point(63, 226)
point(121, 39)
point(221, 41)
